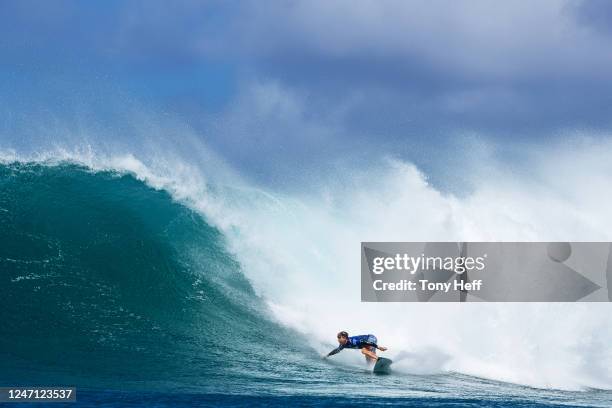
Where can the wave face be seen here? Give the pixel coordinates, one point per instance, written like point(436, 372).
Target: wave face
point(104, 277)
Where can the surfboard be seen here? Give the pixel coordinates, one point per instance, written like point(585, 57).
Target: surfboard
point(382, 366)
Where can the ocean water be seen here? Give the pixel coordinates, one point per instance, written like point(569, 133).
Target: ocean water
point(140, 293)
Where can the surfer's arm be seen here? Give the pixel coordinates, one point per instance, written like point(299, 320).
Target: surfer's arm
point(335, 351)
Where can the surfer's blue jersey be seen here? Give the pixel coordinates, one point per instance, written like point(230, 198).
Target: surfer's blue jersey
point(357, 342)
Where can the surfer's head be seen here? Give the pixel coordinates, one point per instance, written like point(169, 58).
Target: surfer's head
point(342, 337)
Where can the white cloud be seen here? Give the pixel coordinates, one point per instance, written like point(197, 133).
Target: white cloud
point(479, 37)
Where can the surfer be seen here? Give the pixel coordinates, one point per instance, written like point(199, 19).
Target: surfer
point(367, 343)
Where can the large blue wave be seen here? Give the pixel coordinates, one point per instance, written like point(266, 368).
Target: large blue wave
point(103, 277)
point(107, 283)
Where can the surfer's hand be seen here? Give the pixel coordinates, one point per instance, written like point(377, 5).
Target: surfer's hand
point(382, 348)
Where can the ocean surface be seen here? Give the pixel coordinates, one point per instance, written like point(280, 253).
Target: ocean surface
point(128, 291)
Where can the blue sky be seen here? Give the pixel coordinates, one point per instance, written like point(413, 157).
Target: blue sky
point(286, 84)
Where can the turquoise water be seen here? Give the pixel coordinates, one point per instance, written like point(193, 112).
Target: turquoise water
point(111, 286)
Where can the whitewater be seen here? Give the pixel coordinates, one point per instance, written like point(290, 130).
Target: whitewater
point(288, 260)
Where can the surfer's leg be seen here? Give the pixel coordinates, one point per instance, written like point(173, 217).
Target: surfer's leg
point(370, 354)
